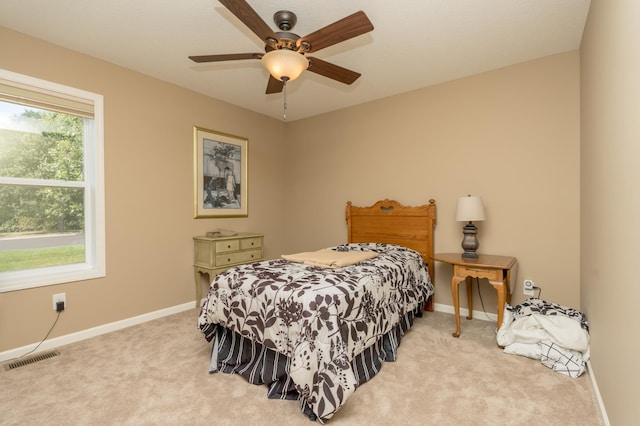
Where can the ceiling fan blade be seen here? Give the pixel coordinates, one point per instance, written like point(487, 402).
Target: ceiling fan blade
point(344, 29)
point(332, 71)
point(274, 85)
point(228, 57)
point(250, 18)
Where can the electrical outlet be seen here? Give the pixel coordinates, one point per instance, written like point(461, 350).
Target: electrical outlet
point(527, 287)
point(60, 297)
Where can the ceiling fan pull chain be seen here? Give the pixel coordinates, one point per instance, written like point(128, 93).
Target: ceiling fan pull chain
point(284, 90)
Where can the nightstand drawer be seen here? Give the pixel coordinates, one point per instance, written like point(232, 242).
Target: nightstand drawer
point(238, 257)
point(478, 272)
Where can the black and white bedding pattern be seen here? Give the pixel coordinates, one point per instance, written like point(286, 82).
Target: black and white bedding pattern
point(556, 335)
point(320, 319)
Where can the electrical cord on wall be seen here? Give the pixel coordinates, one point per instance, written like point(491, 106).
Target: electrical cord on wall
point(539, 291)
point(42, 341)
point(481, 301)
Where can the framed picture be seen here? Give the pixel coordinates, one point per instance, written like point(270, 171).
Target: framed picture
point(220, 174)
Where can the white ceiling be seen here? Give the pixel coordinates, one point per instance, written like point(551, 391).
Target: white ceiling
point(414, 44)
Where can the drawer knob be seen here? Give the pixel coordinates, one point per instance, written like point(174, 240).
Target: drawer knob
point(228, 260)
point(229, 246)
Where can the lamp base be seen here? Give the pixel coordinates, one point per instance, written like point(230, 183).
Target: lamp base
point(470, 242)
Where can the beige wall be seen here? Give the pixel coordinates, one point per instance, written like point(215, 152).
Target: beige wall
point(511, 136)
point(610, 158)
point(149, 192)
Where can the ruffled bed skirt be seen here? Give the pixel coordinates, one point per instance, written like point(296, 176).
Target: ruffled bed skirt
point(234, 354)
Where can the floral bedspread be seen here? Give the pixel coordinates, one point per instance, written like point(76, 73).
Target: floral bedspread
point(320, 318)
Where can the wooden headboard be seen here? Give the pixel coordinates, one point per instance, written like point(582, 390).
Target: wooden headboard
point(390, 222)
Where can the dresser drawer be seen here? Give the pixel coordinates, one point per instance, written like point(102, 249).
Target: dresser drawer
point(238, 257)
point(249, 243)
point(479, 272)
point(227, 245)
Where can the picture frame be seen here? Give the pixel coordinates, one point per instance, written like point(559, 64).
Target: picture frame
point(220, 167)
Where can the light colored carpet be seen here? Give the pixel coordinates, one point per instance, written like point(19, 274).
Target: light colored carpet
point(157, 374)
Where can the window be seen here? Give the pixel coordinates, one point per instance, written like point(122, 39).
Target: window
point(51, 183)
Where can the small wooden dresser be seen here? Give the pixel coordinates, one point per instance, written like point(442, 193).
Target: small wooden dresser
point(212, 255)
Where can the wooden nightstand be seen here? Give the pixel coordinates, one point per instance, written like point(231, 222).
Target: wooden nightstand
point(497, 269)
point(212, 255)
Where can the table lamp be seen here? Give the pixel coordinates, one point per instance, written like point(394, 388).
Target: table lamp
point(470, 209)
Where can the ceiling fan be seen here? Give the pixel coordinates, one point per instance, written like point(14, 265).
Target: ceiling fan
point(285, 52)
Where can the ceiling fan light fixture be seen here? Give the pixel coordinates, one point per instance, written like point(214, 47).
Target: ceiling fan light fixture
point(285, 64)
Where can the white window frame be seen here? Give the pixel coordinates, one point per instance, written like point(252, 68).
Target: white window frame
point(94, 232)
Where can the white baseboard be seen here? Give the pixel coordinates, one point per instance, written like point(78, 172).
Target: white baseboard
point(603, 411)
point(118, 325)
point(95, 331)
point(481, 315)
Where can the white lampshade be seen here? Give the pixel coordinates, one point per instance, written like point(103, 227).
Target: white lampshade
point(469, 209)
point(285, 63)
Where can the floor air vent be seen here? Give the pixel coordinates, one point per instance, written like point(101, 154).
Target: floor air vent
point(31, 359)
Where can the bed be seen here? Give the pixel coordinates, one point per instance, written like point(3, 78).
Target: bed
point(315, 333)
